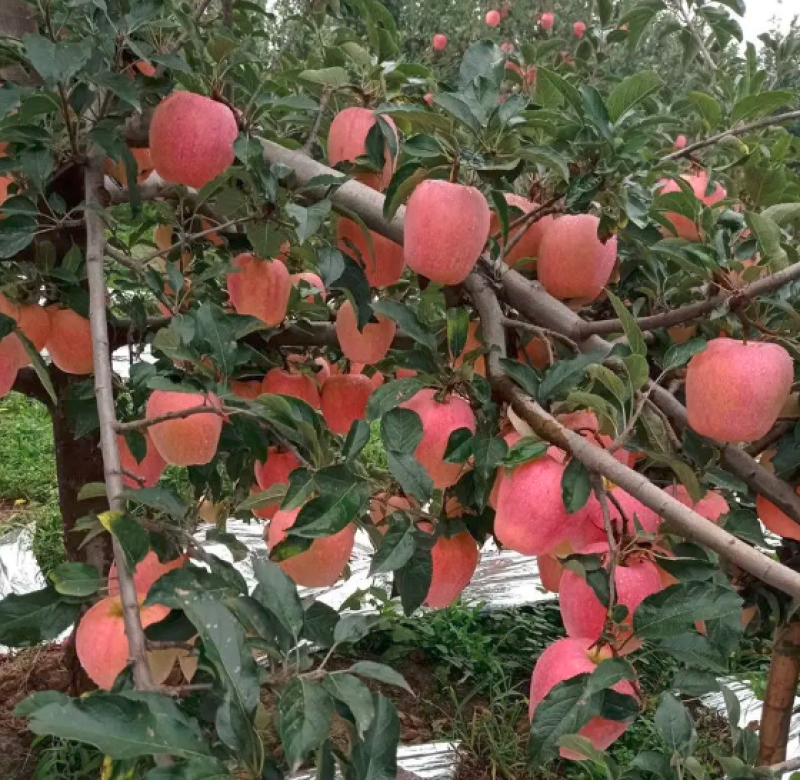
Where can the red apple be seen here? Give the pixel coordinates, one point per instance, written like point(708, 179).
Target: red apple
point(776, 520)
point(578, 29)
point(299, 385)
point(735, 390)
point(682, 226)
point(383, 263)
point(712, 505)
point(439, 42)
point(275, 470)
point(260, 288)
point(526, 249)
point(149, 469)
point(363, 346)
point(547, 20)
point(454, 561)
point(187, 441)
point(344, 400)
point(493, 18)
point(147, 572)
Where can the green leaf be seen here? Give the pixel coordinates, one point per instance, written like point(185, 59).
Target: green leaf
point(783, 213)
point(680, 354)
point(482, 60)
point(575, 486)
point(707, 105)
point(459, 109)
point(768, 236)
point(357, 438)
point(39, 366)
point(132, 538)
point(405, 181)
point(278, 593)
point(566, 374)
point(328, 514)
point(32, 618)
point(549, 158)
point(527, 377)
point(273, 495)
point(381, 673)
point(193, 769)
point(304, 716)
point(301, 486)
point(761, 104)
point(319, 624)
point(171, 588)
point(676, 608)
point(413, 580)
point(459, 446)
point(55, 62)
point(391, 395)
point(309, 219)
point(332, 78)
point(121, 725)
point(544, 76)
point(411, 475)
point(374, 757)
point(674, 725)
point(407, 320)
point(160, 499)
point(225, 647)
point(526, 449)
point(631, 91)
point(122, 86)
point(355, 695)
point(401, 431)
point(75, 579)
point(632, 330)
point(397, 546)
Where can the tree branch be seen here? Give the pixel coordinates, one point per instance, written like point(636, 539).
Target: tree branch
point(312, 136)
point(765, 286)
point(678, 517)
point(769, 121)
point(95, 244)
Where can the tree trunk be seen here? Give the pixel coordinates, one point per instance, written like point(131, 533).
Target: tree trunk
point(784, 671)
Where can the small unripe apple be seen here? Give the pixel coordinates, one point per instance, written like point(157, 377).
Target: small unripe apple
point(578, 29)
point(446, 227)
point(493, 18)
point(547, 20)
point(439, 42)
point(735, 390)
point(191, 139)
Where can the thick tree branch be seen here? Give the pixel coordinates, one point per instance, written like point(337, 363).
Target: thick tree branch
point(765, 286)
point(678, 517)
point(95, 243)
point(770, 121)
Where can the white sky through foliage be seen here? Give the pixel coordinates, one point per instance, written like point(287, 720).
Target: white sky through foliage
point(764, 15)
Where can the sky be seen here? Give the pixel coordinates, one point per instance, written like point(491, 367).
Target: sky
point(760, 15)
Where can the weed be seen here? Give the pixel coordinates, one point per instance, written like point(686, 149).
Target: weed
point(67, 760)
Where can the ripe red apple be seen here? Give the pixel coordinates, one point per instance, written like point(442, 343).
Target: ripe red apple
point(100, 641)
point(439, 42)
point(147, 571)
point(33, 320)
point(594, 531)
point(526, 249)
point(363, 346)
point(145, 68)
point(535, 352)
point(587, 424)
point(777, 520)
point(472, 343)
point(344, 400)
point(191, 139)
point(187, 441)
point(299, 385)
point(578, 29)
point(383, 265)
point(439, 420)
point(446, 227)
point(9, 364)
point(312, 280)
point(493, 18)
point(260, 288)
point(149, 469)
point(454, 561)
point(573, 262)
point(712, 505)
point(584, 616)
point(323, 562)
point(382, 505)
point(347, 140)
point(683, 227)
point(428, 98)
point(563, 660)
point(735, 390)
point(680, 142)
point(70, 341)
point(547, 20)
point(530, 514)
point(275, 470)
point(144, 166)
point(550, 571)
point(246, 389)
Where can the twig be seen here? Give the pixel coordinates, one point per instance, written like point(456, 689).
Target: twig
point(781, 428)
point(138, 425)
point(791, 765)
point(763, 286)
point(602, 498)
point(535, 329)
point(769, 121)
point(622, 439)
point(673, 437)
point(95, 245)
point(181, 690)
point(312, 136)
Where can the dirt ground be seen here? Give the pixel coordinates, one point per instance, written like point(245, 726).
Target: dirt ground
point(23, 673)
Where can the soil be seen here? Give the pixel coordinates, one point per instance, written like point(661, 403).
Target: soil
point(23, 673)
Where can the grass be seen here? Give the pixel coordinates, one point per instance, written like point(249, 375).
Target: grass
point(28, 487)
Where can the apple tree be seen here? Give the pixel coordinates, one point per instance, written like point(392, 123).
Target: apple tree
point(565, 329)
